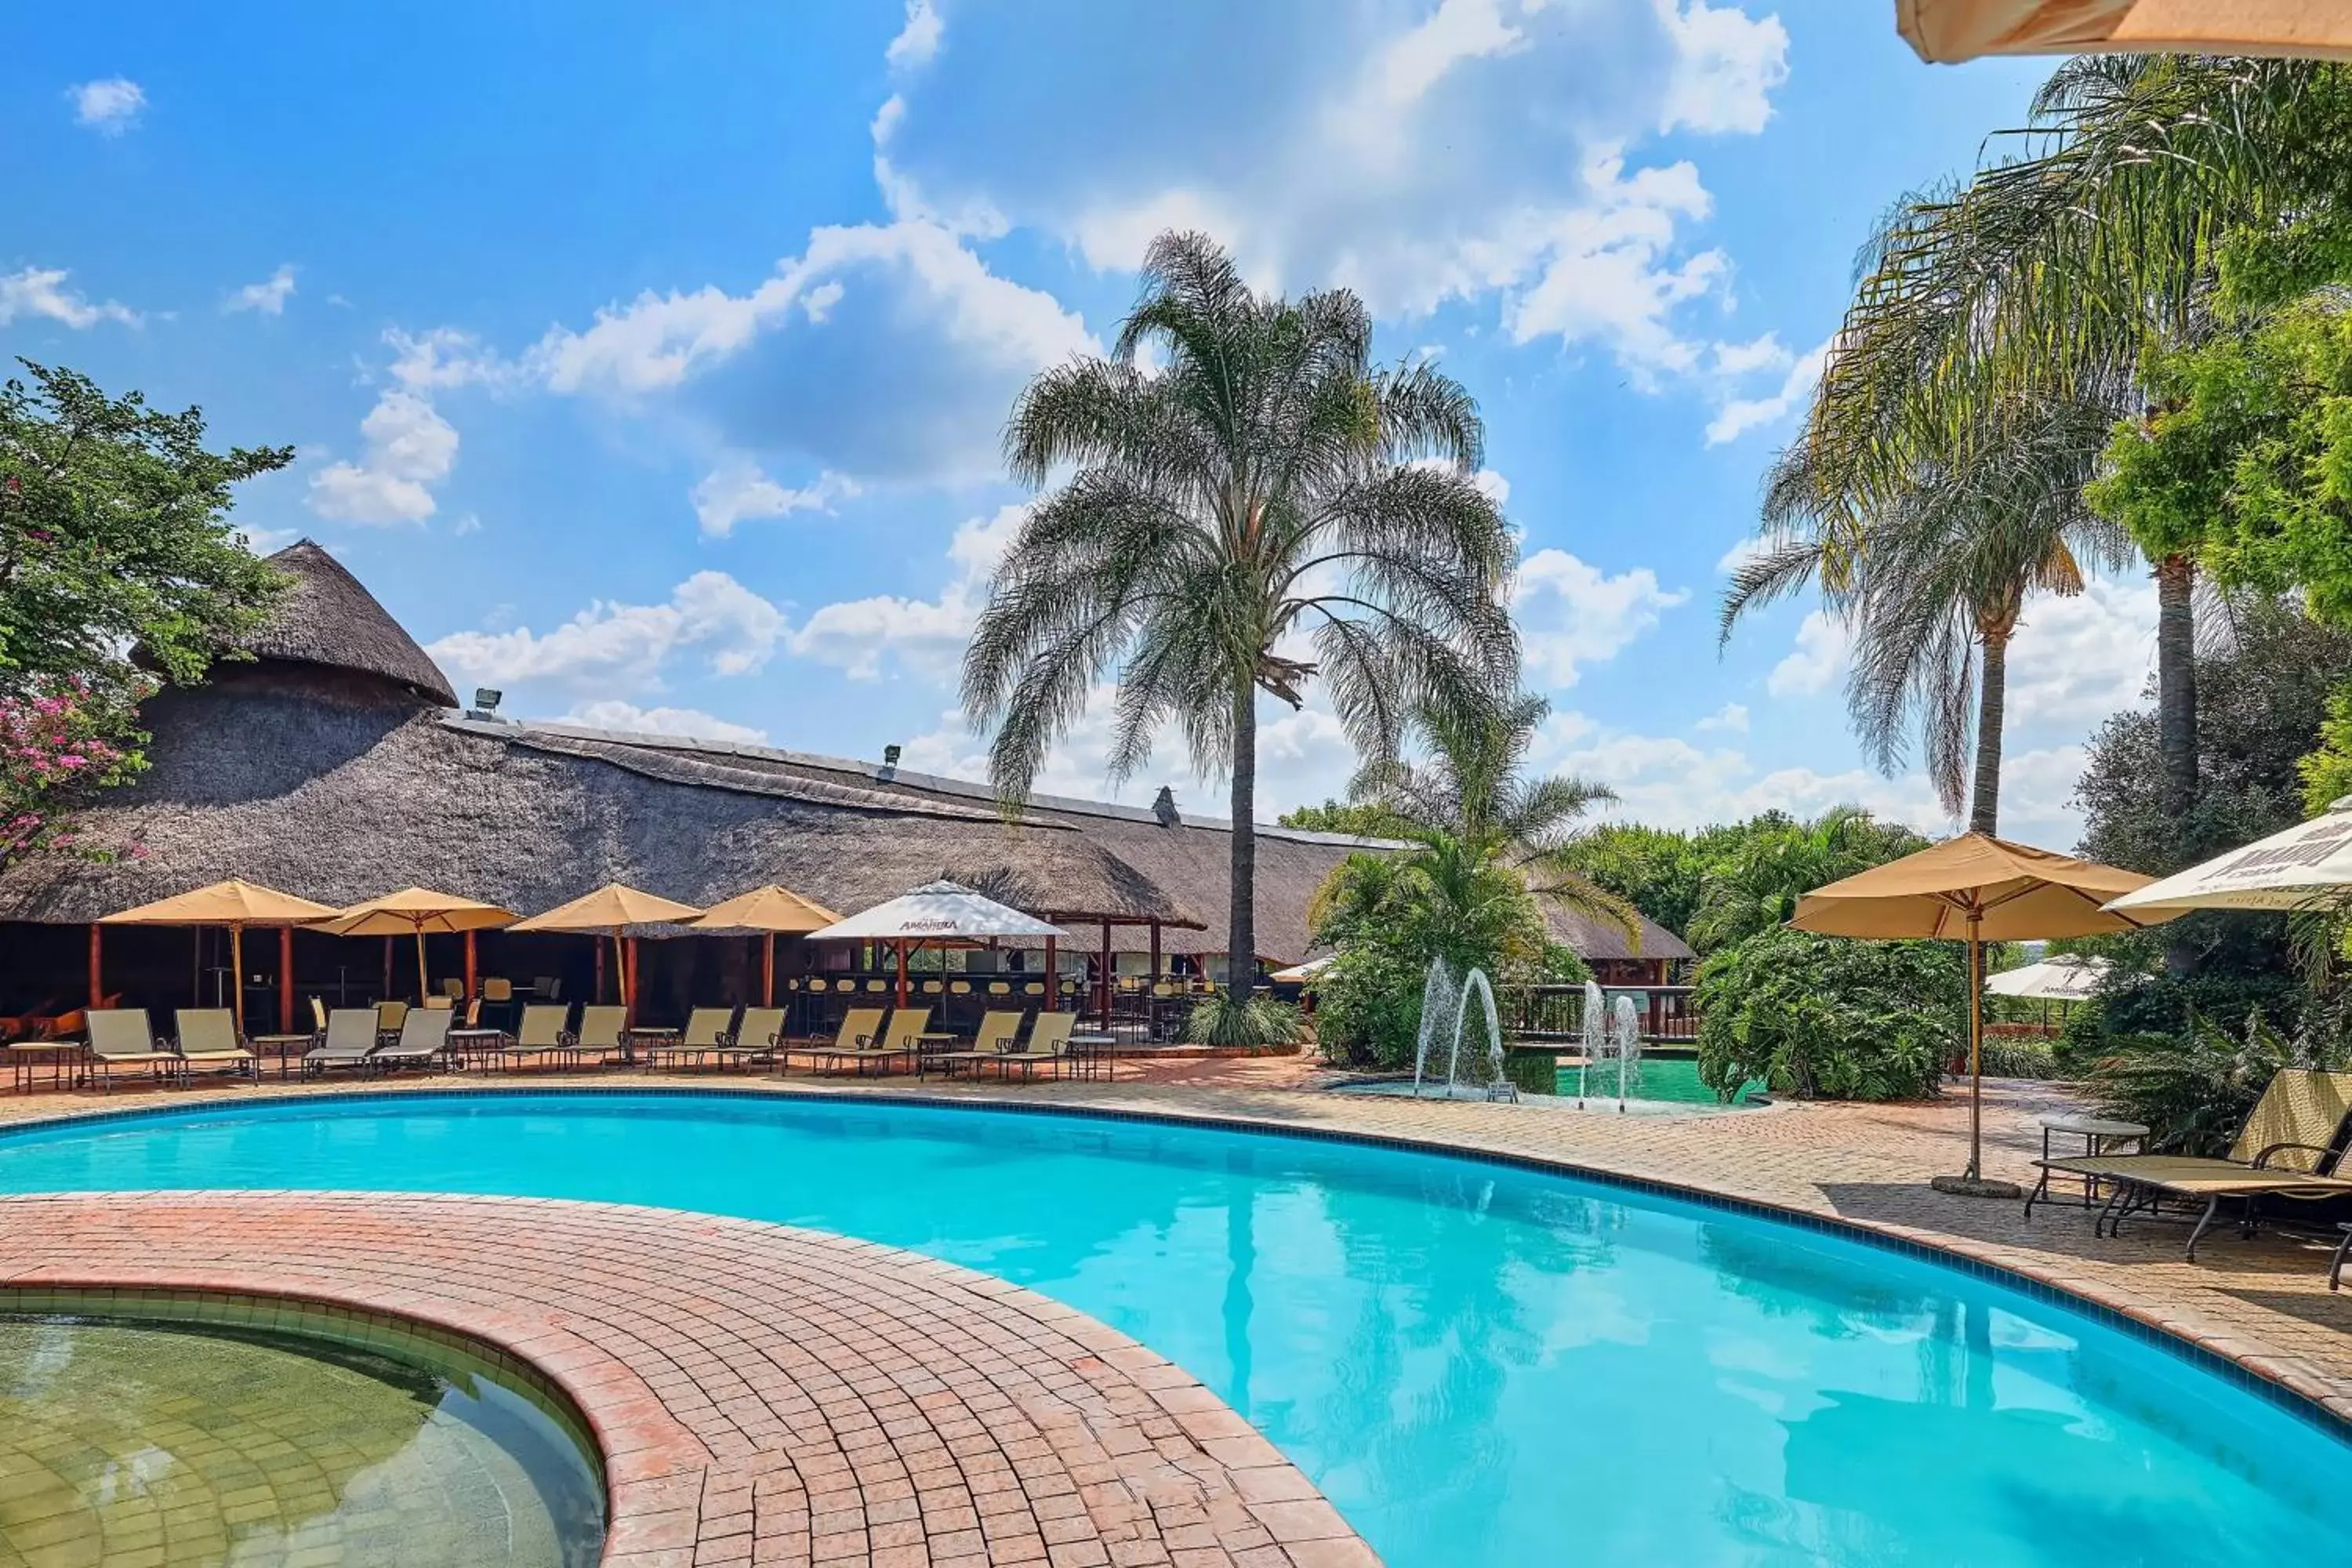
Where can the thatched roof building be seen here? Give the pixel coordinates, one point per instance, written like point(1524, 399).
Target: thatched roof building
point(335, 766)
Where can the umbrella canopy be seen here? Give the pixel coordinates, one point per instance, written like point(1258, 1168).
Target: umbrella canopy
point(230, 903)
point(609, 908)
point(235, 904)
point(2287, 870)
point(1949, 31)
point(1975, 888)
point(777, 910)
point(2065, 978)
point(414, 912)
point(1299, 974)
point(936, 911)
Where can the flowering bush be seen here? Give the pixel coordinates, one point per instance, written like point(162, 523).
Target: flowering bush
point(59, 744)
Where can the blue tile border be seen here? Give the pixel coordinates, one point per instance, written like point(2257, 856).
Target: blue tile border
point(2292, 1401)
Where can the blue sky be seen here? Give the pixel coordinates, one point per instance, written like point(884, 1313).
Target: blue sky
point(649, 362)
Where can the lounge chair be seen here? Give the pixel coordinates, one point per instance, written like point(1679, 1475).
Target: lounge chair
point(860, 1026)
point(541, 1033)
point(120, 1036)
point(755, 1039)
point(706, 1029)
point(351, 1038)
point(2288, 1149)
point(424, 1038)
point(388, 1018)
point(997, 1033)
point(603, 1030)
point(1049, 1047)
point(208, 1041)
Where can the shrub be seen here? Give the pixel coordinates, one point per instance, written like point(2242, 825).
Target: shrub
point(2192, 1091)
point(1368, 1005)
point(1221, 1018)
point(1821, 1017)
point(2015, 1056)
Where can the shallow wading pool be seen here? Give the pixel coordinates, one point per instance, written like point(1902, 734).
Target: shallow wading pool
point(1478, 1363)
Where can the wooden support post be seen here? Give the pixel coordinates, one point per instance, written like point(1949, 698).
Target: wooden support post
point(597, 990)
point(902, 973)
point(472, 970)
point(1151, 988)
point(97, 963)
point(767, 972)
point(386, 994)
point(1105, 992)
point(285, 980)
point(1053, 979)
point(629, 978)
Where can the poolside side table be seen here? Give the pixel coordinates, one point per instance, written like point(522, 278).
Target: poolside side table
point(1098, 1051)
point(2099, 1136)
point(285, 1048)
point(26, 1057)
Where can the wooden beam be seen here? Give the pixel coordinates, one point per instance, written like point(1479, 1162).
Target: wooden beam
point(285, 980)
point(472, 970)
point(97, 963)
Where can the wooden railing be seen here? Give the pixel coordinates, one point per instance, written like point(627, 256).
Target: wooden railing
point(1544, 1014)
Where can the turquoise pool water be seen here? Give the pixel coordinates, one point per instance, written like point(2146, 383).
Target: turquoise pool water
point(1479, 1364)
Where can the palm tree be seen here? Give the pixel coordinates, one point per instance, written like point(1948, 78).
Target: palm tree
point(1932, 578)
point(1472, 787)
point(1264, 508)
point(2052, 277)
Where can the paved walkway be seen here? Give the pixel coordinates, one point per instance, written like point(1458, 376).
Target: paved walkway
point(763, 1394)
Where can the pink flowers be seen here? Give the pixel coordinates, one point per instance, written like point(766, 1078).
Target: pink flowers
point(53, 752)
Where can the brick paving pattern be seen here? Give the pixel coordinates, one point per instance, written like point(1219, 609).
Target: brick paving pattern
point(761, 1394)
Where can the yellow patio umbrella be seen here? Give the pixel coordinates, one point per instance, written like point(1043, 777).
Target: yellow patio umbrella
point(1949, 31)
point(416, 912)
point(1975, 888)
point(613, 907)
point(235, 904)
point(771, 911)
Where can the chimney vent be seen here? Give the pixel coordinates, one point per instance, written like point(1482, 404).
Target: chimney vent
point(1164, 809)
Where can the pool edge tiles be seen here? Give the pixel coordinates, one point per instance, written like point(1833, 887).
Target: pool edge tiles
point(2308, 1392)
point(678, 1336)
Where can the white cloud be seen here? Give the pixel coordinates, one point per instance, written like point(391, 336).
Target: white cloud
point(612, 714)
point(266, 297)
point(1411, 152)
point(1823, 649)
point(1731, 719)
point(1726, 65)
point(1741, 414)
point(42, 291)
point(918, 41)
point(926, 635)
point(2076, 661)
point(1571, 615)
point(444, 357)
point(880, 353)
point(108, 106)
point(267, 541)
point(739, 490)
point(612, 647)
point(408, 448)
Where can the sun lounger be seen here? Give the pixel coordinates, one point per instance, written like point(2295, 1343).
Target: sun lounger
point(755, 1039)
point(424, 1040)
point(2288, 1149)
point(208, 1042)
point(540, 1034)
point(1049, 1047)
point(707, 1029)
point(119, 1038)
point(860, 1029)
point(604, 1031)
point(351, 1038)
point(997, 1033)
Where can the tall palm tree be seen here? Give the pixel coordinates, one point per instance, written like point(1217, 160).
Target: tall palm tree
point(1932, 579)
point(2052, 275)
point(1264, 508)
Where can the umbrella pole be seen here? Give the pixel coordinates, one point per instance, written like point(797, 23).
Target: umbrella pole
point(421, 991)
point(1976, 1052)
point(768, 970)
point(236, 974)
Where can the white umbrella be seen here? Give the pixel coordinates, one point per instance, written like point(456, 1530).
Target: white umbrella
point(2287, 870)
point(1299, 974)
point(2062, 979)
point(936, 911)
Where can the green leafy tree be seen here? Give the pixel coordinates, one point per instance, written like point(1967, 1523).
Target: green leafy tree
point(1264, 493)
point(118, 567)
point(1657, 870)
point(1755, 880)
point(1357, 819)
point(1821, 1017)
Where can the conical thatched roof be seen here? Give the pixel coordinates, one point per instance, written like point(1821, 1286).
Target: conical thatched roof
point(327, 619)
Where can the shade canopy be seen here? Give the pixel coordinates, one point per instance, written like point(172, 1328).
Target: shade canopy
point(1949, 31)
point(2302, 865)
point(2065, 978)
point(609, 908)
point(231, 903)
point(771, 909)
point(418, 911)
point(936, 911)
point(1299, 974)
point(2016, 893)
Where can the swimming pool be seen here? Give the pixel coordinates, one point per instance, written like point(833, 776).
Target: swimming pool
point(1479, 1364)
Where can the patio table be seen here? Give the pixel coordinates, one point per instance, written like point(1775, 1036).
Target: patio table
point(2099, 1136)
point(26, 1057)
point(464, 1043)
point(285, 1048)
point(1098, 1052)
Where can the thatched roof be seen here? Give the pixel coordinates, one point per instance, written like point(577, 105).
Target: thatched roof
point(327, 619)
point(1595, 938)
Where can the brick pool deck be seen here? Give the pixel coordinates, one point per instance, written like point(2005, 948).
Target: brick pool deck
point(2262, 1304)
